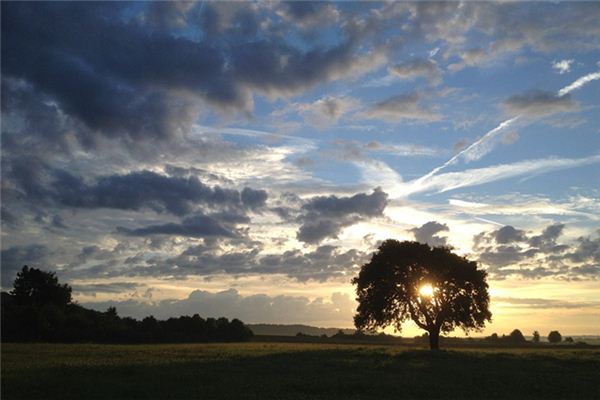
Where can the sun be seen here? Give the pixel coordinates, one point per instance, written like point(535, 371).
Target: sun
point(426, 290)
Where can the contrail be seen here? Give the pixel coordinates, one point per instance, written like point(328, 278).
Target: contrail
point(477, 143)
point(503, 125)
point(579, 83)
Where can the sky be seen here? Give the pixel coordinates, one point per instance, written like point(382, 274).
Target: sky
point(245, 159)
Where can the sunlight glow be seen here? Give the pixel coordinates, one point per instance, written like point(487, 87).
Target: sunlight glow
point(426, 290)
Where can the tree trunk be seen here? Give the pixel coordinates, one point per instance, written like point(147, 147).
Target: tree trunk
point(434, 339)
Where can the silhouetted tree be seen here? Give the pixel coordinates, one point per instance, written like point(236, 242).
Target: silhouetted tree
point(569, 339)
point(516, 336)
point(35, 287)
point(536, 337)
point(554, 337)
point(390, 290)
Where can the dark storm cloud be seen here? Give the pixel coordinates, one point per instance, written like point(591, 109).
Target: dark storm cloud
point(427, 233)
point(326, 216)
point(134, 191)
point(197, 226)
point(121, 77)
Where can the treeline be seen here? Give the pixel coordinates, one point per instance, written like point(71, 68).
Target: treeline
point(516, 337)
point(41, 309)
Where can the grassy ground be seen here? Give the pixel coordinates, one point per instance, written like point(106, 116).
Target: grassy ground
point(294, 371)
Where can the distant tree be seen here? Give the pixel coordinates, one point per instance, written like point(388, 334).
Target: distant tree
point(37, 288)
point(569, 339)
point(516, 336)
point(536, 337)
point(433, 287)
point(554, 337)
point(493, 336)
point(111, 312)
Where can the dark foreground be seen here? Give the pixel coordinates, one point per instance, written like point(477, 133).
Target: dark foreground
point(294, 371)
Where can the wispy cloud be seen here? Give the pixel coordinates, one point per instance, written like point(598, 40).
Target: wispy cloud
point(476, 150)
point(487, 142)
point(478, 176)
point(394, 185)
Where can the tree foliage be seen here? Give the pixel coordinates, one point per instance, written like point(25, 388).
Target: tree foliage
point(388, 290)
point(516, 336)
point(554, 337)
point(35, 287)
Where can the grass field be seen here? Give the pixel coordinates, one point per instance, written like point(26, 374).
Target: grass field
point(294, 371)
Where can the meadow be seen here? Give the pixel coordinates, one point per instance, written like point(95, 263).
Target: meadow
point(294, 371)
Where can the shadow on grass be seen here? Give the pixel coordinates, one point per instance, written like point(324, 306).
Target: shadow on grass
point(362, 373)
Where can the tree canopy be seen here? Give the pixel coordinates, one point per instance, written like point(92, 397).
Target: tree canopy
point(435, 288)
point(554, 337)
point(36, 287)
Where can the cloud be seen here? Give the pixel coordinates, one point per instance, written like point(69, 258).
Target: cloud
point(562, 66)
point(536, 103)
point(326, 216)
point(510, 252)
point(477, 176)
point(415, 68)
point(14, 258)
point(326, 110)
point(309, 14)
point(256, 308)
point(351, 150)
point(46, 47)
point(508, 234)
point(197, 226)
point(243, 257)
point(138, 190)
point(502, 28)
point(540, 303)
point(587, 250)
point(113, 287)
point(361, 204)
point(403, 107)
point(426, 233)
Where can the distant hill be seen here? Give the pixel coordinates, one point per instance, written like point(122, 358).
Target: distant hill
point(292, 330)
